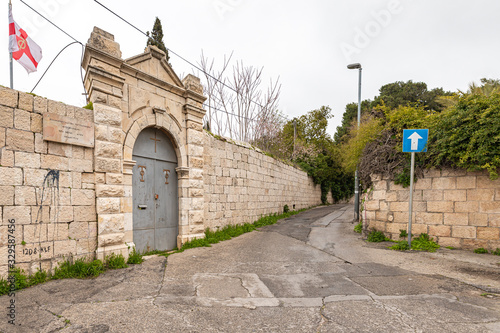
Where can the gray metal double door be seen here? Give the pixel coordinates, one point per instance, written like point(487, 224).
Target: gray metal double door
point(155, 199)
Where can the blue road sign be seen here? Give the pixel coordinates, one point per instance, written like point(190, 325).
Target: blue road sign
point(415, 140)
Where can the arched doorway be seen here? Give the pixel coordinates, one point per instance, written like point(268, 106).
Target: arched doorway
point(154, 186)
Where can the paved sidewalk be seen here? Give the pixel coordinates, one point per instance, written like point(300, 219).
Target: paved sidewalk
point(309, 273)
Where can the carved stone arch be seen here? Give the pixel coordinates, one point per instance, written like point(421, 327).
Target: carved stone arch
point(161, 121)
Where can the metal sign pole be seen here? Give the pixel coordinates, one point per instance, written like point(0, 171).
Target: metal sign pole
point(412, 172)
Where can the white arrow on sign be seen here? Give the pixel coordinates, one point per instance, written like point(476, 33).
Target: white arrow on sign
point(414, 140)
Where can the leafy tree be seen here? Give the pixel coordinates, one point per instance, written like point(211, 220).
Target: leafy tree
point(311, 130)
point(488, 87)
point(350, 117)
point(410, 93)
point(316, 153)
point(157, 37)
point(464, 135)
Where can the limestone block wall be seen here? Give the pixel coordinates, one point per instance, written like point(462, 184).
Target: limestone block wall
point(242, 184)
point(46, 188)
point(456, 207)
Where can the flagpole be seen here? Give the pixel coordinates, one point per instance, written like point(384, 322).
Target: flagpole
point(10, 53)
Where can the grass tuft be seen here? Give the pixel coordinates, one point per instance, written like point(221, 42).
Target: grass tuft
point(134, 257)
point(403, 233)
point(358, 227)
point(496, 252)
point(480, 250)
point(424, 243)
point(400, 246)
point(114, 261)
point(231, 231)
point(82, 268)
point(421, 243)
point(4, 286)
point(376, 237)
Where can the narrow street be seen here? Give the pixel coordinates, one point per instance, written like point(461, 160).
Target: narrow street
point(309, 273)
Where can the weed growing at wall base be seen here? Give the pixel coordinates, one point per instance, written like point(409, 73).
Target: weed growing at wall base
point(134, 257)
point(79, 268)
point(422, 243)
point(376, 237)
point(230, 231)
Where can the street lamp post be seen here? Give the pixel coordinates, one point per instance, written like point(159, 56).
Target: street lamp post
point(356, 179)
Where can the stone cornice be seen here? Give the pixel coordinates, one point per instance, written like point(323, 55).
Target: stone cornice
point(134, 72)
point(194, 110)
point(195, 96)
point(105, 57)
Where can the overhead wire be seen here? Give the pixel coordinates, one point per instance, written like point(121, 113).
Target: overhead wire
point(67, 34)
point(142, 32)
point(182, 58)
point(64, 32)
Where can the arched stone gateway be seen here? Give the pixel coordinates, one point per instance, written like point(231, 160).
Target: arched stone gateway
point(154, 191)
point(148, 125)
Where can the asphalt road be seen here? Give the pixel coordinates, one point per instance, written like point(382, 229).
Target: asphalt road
point(309, 273)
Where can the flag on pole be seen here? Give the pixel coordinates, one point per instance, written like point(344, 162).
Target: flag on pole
point(23, 48)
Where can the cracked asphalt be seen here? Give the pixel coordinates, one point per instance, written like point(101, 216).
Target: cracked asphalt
point(308, 273)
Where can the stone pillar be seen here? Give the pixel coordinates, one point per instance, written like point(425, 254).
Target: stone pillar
point(104, 83)
point(191, 180)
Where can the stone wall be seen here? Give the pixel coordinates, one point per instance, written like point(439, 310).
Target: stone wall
point(47, 188)
point(242, 184)
point(67, 200)
point(456, 207)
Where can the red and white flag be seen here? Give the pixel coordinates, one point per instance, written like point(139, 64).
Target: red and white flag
point(23, 48)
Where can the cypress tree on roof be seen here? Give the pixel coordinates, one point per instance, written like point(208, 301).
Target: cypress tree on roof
point(156, 37)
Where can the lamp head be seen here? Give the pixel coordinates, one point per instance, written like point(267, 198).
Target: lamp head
point(354, 66)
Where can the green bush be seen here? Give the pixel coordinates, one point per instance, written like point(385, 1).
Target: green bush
point(466, 135)
point(4, 287)
point(21, 279)
point(39, 277)
point(407, 117)
point(230, 231)
point(421, 243)
point(358, 227)
point(403, 233)
point(424, 243)
point(134, 257)
point(400, 246)
point(114, 261)
point(286, 209)
point(496, 252)
point(80, 269)
point(376, 236)
point(480, 250)
point(352, 151)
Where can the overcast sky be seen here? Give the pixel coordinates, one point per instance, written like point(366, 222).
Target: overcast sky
point(308, 44)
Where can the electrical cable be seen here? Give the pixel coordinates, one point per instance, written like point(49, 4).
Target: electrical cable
point(50, 22)
point(75, 41)
point(64, 48)
point(176, 54)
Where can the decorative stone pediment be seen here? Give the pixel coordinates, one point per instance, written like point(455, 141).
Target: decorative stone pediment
point(154, 62)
